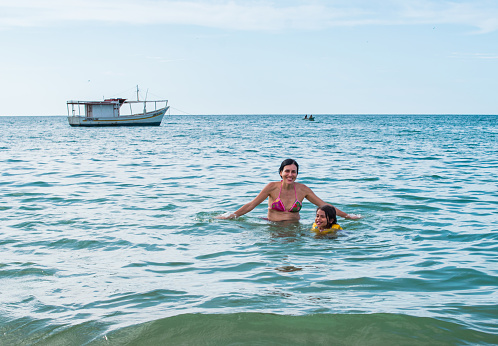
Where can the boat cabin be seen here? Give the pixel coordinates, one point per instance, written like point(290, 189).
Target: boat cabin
point(108, 108)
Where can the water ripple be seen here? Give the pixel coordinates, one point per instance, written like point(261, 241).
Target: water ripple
point(107, 233)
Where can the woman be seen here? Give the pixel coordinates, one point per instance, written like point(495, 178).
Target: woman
point(285, 197)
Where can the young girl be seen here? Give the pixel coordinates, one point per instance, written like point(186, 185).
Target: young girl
point(325, 220)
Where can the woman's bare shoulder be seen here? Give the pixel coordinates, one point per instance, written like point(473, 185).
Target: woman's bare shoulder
point(302, 187)
point(271, 186)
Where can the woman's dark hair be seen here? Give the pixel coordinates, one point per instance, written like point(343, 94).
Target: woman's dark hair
point(330, 214)
point(288, 162)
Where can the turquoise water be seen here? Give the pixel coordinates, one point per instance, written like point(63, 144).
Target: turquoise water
point(109, 236)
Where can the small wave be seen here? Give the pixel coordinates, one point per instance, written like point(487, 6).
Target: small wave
point(318, 329)
point(17, 270)
point(36, 184)
point(252, 328)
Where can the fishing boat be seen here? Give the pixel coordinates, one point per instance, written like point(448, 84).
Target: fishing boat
point(109, 112)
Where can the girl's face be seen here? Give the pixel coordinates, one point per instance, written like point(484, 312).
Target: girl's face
point(289, 173)
point(321, 219)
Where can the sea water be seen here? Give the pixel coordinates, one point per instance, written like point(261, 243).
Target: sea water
point(110, 236)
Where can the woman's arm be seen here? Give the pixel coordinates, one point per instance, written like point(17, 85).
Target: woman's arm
point(310, 196)
point(251, 205)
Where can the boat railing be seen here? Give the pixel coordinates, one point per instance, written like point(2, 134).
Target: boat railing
point(135, 107)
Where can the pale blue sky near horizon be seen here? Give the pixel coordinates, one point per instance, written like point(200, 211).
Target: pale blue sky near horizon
point(252, 57)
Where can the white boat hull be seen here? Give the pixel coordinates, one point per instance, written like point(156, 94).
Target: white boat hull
point(152, 118)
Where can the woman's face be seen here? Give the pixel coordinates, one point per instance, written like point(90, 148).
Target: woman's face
point(320, 219)
point(289, 173)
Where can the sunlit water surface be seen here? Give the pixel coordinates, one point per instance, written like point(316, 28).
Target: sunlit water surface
point(109, 235)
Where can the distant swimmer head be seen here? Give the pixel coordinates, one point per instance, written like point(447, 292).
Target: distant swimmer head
point(329, 213)
point(288, 162)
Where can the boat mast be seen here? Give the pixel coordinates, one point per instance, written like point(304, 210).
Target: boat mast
point(145, 102)
point(137, 94)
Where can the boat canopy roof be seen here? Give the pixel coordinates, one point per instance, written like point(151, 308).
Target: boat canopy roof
point(119, 101)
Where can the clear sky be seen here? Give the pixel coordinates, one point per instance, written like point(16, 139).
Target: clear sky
point(252, 57)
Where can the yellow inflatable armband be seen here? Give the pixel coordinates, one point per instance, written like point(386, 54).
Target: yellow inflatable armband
point(333, 229)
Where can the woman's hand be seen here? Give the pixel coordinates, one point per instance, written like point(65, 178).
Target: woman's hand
point(226, 216)
point(353, 216)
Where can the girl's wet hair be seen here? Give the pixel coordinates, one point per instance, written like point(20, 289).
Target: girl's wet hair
point(330, 214)
point(288, 162)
